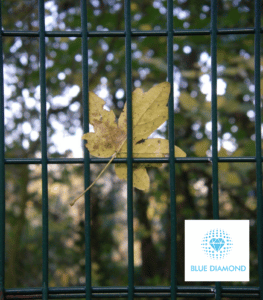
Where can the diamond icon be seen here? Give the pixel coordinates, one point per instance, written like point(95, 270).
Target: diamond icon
point(217, 243)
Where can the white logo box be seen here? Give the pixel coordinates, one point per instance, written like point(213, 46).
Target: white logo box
point(216, 250)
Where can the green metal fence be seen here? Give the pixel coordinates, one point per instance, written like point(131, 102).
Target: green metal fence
point(131, 291)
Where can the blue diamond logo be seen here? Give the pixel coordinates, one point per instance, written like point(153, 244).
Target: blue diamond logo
point(217, 243)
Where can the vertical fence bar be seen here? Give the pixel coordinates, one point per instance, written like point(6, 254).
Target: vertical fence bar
point(128, 64)
point(258, 146)
point(214, 106)
point(42, 57)
point(171, 148)
point(2, 167)
point(85, 88)
point(214, 119)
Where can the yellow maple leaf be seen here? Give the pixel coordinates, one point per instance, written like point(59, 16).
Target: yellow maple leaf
point(149, 111)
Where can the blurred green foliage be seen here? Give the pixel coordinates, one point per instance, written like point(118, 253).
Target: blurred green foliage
point(106, 60)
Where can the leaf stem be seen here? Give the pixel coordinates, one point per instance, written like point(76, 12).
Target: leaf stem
point(98, 177)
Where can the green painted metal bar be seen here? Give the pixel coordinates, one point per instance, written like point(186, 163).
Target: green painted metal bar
point(141, 289)
point(86, 154)
point(214, 106)
point(128, 71)
point(185, 295)
point(170, 73)
point(258, 4)
point(42, 56)
point(135, 160)
point(2, 167)
point(214, 119)
point(122, 292)
point(121, 33)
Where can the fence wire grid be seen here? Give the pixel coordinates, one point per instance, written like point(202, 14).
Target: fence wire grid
point(131, 291)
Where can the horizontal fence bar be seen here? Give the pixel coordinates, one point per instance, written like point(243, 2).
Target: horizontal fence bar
point(138, 289)
point(141, 291)
point(139, 295)
point(135, 160)
point(134, 33)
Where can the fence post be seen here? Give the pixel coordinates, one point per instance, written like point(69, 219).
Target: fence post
point(2, 167)
point(173, 221)
point(128, 72)
point(214, 120)
point(258, 145)
point(42, 61)
point(85, 103)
